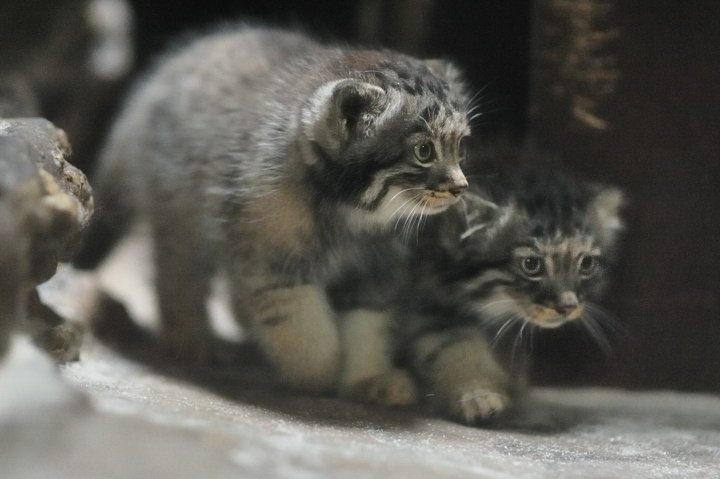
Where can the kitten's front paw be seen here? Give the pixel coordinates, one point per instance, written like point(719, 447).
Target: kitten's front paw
point(474, 405)
point(394, 388)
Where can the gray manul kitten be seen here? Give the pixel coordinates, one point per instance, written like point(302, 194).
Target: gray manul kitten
point(523, 250)
point(271, 156)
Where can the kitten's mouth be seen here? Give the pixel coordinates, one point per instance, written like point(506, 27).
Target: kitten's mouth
point(550, 317)
point(437, 201)
point(413, 202)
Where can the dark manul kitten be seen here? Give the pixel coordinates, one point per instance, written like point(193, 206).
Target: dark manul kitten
point(523, 249)
point(537, 257)
point(273, 157)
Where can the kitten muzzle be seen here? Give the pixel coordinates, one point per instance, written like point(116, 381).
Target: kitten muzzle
point(554, 317)
point(440, 200)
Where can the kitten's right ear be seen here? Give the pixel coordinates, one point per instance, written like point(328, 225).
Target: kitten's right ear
point(341, 110)
point(605, 215)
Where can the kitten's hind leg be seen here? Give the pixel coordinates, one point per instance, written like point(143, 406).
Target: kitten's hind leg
point(295, 327)
point(184, 268)
point(467, 382)
point(368, 373)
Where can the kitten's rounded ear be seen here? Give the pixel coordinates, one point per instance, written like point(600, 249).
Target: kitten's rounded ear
point(605, 215)
point(483, 221)
point(342, 109)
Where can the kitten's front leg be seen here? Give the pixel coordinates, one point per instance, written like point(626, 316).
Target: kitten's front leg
point(295, 328)
point(467, 382)
point(368, 374)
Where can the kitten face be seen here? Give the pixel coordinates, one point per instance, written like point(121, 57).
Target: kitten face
point(389, 143)
point(553, 278)
point(556, 252)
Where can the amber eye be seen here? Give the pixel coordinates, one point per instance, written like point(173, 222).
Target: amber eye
point(532, 266)
point(425, 152)
point(588, 265)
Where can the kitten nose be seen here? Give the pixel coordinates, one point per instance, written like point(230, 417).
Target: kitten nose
point(457, 190)
point(458, 186)
point(454, 182)
point(567, 303)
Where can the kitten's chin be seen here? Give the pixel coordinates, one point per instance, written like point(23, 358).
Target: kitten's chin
point(550, 323)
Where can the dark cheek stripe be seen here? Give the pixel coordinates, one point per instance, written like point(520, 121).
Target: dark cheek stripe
point(402, 180)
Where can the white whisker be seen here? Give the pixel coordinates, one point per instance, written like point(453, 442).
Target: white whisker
point(402, 207)
point(503, 330)
point(403, 191)
point(608, 320)
point(596, 332)
point(518, 340)
point(426, 123)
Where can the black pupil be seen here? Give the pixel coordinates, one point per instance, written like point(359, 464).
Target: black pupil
point(532, 265)
point(587, 263)
point(424, 151)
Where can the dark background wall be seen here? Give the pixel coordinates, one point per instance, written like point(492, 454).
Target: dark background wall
point(627, 92)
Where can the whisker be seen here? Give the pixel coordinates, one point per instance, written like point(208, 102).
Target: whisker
point(409, 219)
point(476, 115)
point(473, 109)
point(503, 330)
point(531, 341)
point(402, 207)
point(597, 334)
point(491, 304)
point(426, 123)
point(616, 327)
point(518, 340)
point(477, 97)
point(420, 220)
point(404, 191)
point(417, 218)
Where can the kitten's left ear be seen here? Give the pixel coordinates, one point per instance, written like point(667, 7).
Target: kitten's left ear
point(605, 215)
point(341, 110)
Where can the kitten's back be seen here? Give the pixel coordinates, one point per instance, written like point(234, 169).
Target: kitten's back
point(235, 65)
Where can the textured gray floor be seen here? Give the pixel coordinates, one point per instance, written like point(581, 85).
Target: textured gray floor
point(107, 416)
point(131, 415)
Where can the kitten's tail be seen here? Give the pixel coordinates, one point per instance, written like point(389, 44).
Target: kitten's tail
point(114, 214)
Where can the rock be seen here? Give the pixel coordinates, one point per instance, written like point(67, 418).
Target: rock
point(45, 203)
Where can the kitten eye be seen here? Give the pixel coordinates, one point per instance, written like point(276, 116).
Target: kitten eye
point(532, 266)
point(588, 265)
point(425, 152)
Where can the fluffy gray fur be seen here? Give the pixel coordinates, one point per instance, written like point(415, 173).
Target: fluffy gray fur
point(268, 155)
point(524, 249)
